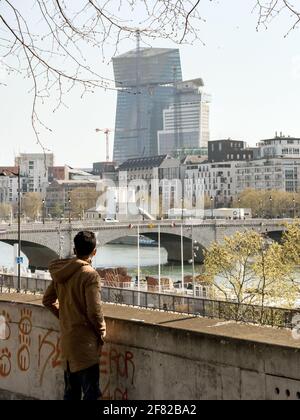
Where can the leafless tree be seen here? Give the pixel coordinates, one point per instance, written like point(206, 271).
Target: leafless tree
point(49, 41)
point(270, 9)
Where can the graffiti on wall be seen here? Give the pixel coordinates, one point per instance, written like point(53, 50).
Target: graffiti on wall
point(46, 347)
point(49, 353)
point(26, 349)
point(117, 372)
point(25, 329)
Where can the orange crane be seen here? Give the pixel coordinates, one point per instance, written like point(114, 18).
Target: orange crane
point(107, 132)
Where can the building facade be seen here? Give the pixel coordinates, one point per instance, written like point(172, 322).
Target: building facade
point(229, 150)
point(9, 189)
point(59, 193)
point(156, 181)
point(269, 174)
point(105, 170)
point(186, 120)
point(58, 173)
point(215, 182)
point(279, 147)
point(34, 170)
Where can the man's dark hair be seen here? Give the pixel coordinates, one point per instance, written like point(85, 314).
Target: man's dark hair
point(85, 243)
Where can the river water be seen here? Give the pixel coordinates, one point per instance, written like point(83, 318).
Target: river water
point(113, 256)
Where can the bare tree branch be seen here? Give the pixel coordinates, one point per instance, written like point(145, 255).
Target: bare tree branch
point(270, 9)
point(50, 41)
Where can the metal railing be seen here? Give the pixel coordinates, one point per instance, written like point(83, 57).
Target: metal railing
point(227, 311)
point(28, 285)
point(52, 225)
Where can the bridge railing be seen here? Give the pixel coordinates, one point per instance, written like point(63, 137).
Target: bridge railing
point(226, 311)
point(164, 223)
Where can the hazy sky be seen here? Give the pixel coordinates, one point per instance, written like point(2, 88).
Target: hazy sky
point(254, 79)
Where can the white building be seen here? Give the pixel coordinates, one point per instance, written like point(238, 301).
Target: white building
point(280, 146)
point(275, 166)
point(34, 169)
point(9, 189)
point(186, 121)
point(213, 180)
point(269, 174)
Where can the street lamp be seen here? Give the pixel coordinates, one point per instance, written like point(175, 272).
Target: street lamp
point(261, 209)
point(182, 205)
point(143, 207)
point(69, 202)
point(212, 207)
point(18, 174)
point(271, 206)
point(294, 207)
point(43, 211)
point(117, 208)
point(239, 204)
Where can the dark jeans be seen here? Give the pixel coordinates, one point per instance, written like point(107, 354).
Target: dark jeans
point(85, 383)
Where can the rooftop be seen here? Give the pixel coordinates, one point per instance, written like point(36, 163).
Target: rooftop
point(144, 162)
point(147, 52)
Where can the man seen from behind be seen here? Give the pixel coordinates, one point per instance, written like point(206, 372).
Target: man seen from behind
point(77, 288)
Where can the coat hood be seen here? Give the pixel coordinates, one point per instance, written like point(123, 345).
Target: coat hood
point(62, 270)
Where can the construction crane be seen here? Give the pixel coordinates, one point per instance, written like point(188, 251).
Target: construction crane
point(107, 132)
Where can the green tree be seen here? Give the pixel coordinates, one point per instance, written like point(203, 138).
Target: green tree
point(5, 210)
point(83, 199)
point(291, 242)
point(274, 273)
point(32, 205)
point(57, 210)
point(272, 203)
point(247, 269)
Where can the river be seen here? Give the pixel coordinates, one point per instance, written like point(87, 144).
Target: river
point(112, 256)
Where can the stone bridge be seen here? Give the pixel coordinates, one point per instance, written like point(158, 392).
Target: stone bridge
point(43, 243)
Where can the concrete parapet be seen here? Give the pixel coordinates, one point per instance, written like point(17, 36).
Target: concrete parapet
point(150, 355)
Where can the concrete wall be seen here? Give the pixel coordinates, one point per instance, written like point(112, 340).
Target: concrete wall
point(151, 355)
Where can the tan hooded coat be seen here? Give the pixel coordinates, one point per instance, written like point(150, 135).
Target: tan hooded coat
point(76, 286)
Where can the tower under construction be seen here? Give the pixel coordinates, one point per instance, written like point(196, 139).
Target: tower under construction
point(145, 79)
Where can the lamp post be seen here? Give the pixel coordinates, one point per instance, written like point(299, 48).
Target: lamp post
point(18, 174)
point(212, 207)
point(70, 202)
point(159, 258)
point(271, 206)
point(261, 208)
point(117, 207)
point(143, 207)
point(182, 247)
point(294, 207)
point(239, 204)
point(43, 211)
point(182, 259)
point(193, 260)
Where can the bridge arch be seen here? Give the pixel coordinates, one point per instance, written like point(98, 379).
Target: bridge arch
point(39, 256)
point(172, 243)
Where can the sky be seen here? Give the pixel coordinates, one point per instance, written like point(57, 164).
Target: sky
point(253, 77)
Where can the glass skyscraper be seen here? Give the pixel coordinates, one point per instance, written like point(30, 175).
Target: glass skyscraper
point(146, 79)
point(186, 120)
